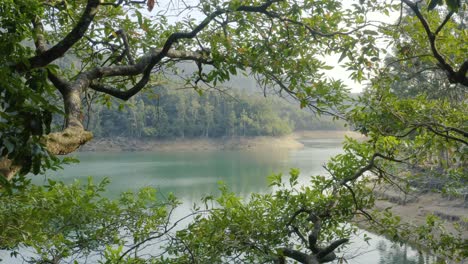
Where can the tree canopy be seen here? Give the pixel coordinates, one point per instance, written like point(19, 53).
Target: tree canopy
point(56, 55)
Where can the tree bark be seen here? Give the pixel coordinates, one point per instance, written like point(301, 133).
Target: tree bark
point(63, 142)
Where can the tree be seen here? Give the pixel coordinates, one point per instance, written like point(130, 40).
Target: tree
point(106, 41)
point(282, 43)
point(208, 117)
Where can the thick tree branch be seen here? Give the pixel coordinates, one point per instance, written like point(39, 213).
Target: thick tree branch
point(334, 245)
point(61, 84)
point(67, 141)
point(7, 168)
point(67, 42)
point(38, 33)
point(298, 256)
point(74, 135)
point(318, 255)
point(314, 235)
point(124, 38)
point(138, 68)
point(453, 76)
point(462, 72)
point(158, 56)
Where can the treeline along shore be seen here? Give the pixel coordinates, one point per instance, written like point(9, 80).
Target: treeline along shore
point(287, 142)
point(168, 113)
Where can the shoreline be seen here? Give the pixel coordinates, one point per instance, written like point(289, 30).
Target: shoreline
point(288, 142)
point(198, 144)
point(411, 208)
point(415, 206)
point(419, 205)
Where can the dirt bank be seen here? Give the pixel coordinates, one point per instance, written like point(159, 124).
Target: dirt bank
point(413, 207)
point(234, 143)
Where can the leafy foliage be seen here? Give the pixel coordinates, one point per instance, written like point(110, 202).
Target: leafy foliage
point(68, 221)
point(285, 45)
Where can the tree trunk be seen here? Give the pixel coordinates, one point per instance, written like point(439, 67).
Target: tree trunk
point(58, 143)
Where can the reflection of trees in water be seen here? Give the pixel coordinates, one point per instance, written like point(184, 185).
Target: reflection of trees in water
point(392, 253)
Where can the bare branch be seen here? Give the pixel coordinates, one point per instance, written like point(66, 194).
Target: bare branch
point(439, 133)
point(124, 38)
point(447, 18)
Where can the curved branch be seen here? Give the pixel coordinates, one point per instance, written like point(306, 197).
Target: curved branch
point(369, 166)
point(446, 135)
point(430, 35)
point(138, 68)
point(66, 43)
point(453, 76)
point(334, 245)
point(298, 256)
point(158, 56)
point(453, 129)
point(447, 18)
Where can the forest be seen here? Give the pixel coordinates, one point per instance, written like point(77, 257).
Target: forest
point(172, 113)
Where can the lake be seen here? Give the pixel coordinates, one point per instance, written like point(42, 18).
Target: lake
point(193, 175)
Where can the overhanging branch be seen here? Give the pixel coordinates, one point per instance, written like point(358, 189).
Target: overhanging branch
point(453, 76)
point(46, 57)
point(147, 64)
point(318, 255)
point(138, 68)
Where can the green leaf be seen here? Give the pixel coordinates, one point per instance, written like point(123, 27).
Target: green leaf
point(274, 179)
point(294, 173)
point(10, 147)
point(51, 182)
point(370, 32)
point(343, 54)
point(139, 18)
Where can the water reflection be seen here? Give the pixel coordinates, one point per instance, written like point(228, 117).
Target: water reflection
point(391, 253)
point(190, 175)
point(193, 175)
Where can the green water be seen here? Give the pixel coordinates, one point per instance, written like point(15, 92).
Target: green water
point(192, 175)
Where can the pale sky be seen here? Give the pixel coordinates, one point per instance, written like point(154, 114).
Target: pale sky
point(174, 6)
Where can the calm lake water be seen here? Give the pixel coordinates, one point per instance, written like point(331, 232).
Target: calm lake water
point(192, 175)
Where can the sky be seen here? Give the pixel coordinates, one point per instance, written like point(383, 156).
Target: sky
point(173, 8)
